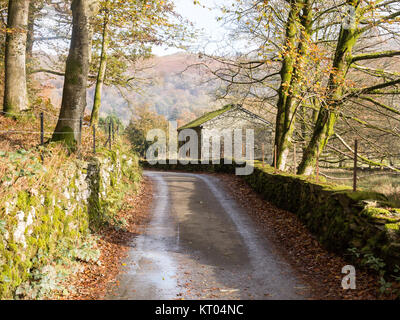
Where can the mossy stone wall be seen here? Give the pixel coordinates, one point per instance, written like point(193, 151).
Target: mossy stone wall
point(38, 227)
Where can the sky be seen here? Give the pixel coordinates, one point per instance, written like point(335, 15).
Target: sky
point(203, 19)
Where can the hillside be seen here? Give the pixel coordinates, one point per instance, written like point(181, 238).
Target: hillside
point(166, 86)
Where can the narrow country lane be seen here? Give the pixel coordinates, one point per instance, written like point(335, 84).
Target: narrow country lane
point(201, 245)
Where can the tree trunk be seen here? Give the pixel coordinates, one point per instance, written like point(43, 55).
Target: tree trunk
point(286, 78)
point(291, 74)
point(322, 132)
point(31, 31)
point(76, 73)
point(324, 127)
point(101, 75)
point(15, 90)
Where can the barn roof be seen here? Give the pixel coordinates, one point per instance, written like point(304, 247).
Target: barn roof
point(213, 114)
point(207, 117)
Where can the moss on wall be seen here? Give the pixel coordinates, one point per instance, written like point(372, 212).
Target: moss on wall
point(45, 226)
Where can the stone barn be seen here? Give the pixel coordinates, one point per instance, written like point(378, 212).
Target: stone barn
point(233, 117)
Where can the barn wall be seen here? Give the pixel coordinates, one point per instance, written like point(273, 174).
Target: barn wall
point(238, 119)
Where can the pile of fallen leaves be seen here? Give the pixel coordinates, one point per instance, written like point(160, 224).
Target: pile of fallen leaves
point(313, 264)
point(98, 278)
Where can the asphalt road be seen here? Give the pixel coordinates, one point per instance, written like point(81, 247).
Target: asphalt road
point(201, 245)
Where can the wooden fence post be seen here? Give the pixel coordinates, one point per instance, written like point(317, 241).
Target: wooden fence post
point(41, 129)
point(112, 130)
point(317, 166)
point(294, 159)
point(41, 134)
point(109, 135)
point(355, 165)
point(80, 128)
point(94, 139)
point(263, 154)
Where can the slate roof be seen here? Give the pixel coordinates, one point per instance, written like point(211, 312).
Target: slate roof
point(213, 114)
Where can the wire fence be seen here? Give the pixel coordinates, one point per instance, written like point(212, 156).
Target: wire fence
point(93, 136)
point(358, 175)
point(104, 135)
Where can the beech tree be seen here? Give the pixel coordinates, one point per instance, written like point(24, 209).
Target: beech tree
point(15, 89)
point(125, 32)
point(368, 19)
point(282, 68)
point(76, 73)
point(298, 31)
point(314, 63)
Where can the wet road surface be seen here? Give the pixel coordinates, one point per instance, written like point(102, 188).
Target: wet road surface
point(201, 245)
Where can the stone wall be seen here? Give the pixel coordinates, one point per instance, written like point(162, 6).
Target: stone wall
point(46, 225)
